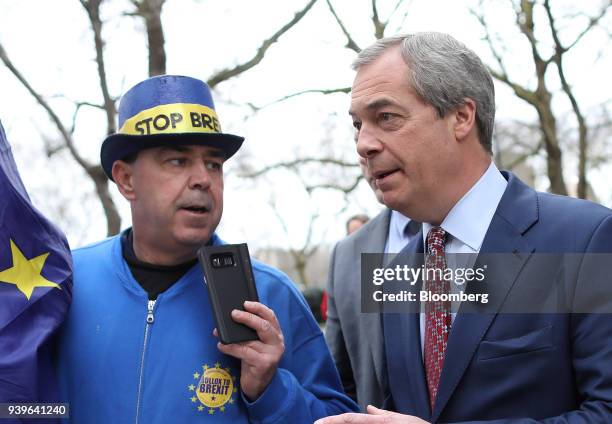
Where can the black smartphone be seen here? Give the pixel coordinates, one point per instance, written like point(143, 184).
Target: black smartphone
point(230, 282)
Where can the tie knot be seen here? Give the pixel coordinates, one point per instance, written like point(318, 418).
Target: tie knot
point(436, 239)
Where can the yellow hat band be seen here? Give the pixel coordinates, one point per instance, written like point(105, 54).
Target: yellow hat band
point(173, 118)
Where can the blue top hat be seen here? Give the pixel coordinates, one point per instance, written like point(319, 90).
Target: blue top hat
point(167, 110)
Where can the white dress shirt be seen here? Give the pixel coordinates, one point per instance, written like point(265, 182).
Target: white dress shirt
point(466, 225)
point(398, 237)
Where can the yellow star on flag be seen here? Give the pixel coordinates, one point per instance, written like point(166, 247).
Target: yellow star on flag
point(191, 387)
point(196, 375)
point(200, 408)
point(25, 273)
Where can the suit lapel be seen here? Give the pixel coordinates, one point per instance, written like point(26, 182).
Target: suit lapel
point(403, 348)
point(505, 252)
point(373, 240)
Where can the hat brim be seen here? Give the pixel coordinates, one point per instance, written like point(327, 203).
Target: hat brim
point(120, 146)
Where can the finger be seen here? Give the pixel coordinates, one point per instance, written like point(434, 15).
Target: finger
point(257, 346)
point(263, 311)
point(376, 411)
point(265, 331)
point(391, 416)
point(352, 418)
point(240, 351)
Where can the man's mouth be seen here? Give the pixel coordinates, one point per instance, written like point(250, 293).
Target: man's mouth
point(196, 209)
point(382, 174)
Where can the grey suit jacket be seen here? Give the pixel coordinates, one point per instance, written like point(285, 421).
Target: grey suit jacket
point(355, 338)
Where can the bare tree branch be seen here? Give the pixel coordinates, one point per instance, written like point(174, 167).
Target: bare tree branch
point(395, 8)
point(541, 97)
point(560, 50)
point(489, 39)
point(95, 172)
point(401, 22)
point(56, 120)
point(89, 104)
point(299, 93)
point(150, 11)
point(259, 55)
point(525, 22)
point(77, 109)
point(593, 21)
point(74, 118)
point(347, 189)
point(300, 256)
point(350, 43)
point(92, 7)
point(297, 162)
point(379, 27)
point(582, 128)
point(521, 92)
point(523, 157)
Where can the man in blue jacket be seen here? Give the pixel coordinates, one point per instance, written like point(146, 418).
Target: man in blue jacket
point(539, 349)
point(139, 343)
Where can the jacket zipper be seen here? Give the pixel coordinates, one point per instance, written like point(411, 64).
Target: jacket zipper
point(150, 320)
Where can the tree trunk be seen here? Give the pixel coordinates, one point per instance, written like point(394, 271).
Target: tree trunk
point(554, 157)
point(113, 220)
point(150, 11)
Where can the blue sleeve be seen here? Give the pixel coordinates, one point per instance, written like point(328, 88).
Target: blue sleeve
point(303, 396)
point(306, 386)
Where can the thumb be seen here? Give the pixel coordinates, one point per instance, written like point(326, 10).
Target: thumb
point(376, 411)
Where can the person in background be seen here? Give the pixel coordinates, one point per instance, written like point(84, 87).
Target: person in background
point(139, 343)
point(355, 222)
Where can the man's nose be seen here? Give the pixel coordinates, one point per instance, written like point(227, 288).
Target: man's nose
point(199, 177)
point(368, 144)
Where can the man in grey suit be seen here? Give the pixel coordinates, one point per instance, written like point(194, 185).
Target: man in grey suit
point(355, 338)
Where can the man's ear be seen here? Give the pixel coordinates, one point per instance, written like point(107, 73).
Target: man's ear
point(465, 119)
point(123, 175)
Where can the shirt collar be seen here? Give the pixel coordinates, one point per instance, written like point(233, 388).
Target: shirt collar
point(469, 220)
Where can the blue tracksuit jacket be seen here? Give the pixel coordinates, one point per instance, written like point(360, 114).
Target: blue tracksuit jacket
point(123, 359)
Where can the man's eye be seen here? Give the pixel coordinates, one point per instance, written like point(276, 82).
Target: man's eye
point(357, 125)
point(177, 161)
point(214, 166)
point(385, 116)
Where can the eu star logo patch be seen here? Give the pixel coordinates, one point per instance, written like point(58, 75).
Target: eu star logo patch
point(214, 390)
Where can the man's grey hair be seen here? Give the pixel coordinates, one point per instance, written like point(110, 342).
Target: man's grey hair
point(443, 72)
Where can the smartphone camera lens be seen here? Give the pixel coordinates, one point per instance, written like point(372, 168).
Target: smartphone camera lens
point(224, 260)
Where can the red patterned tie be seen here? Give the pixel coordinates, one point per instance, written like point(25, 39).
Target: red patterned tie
point(437, 314)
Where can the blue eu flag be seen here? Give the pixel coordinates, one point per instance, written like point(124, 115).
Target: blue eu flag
point(35, 290)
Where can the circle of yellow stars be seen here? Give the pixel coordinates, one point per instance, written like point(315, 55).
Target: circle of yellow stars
point(192, 387)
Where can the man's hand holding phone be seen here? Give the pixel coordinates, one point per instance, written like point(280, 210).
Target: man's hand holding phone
point(259, 358)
